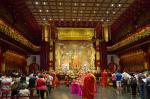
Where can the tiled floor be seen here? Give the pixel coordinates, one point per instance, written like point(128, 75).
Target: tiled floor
point(63, 92)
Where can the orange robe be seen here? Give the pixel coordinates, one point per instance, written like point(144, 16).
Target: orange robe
point(89, 87)
point(55, 80)
point(104, 77)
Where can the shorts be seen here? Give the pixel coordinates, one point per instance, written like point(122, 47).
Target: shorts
point(118, 83)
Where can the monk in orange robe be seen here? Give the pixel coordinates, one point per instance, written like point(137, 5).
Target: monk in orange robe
point(89, 87)
point(104, 77)
point(55, 80)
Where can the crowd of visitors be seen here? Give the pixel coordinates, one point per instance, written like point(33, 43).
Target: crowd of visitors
point(20, 86)
point(132, 83)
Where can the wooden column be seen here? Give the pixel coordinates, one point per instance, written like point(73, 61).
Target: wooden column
point(45, 47)
point(146, 50)
point(97, 55)
point(53, 38)
point(98, 37)
point(103, 51)
point(149, 58)
point(1, 59)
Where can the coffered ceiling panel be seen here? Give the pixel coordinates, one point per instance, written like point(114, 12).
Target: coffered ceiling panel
point(77, 10)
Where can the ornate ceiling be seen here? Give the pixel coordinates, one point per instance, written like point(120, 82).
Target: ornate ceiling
point(75, 13)
point(77, 10)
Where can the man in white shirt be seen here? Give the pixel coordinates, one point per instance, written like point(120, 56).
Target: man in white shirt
point(49, 82)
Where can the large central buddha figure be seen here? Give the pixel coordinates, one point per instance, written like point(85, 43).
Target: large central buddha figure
point(75, 60)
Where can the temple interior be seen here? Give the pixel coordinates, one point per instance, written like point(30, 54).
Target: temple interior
point(71, 37)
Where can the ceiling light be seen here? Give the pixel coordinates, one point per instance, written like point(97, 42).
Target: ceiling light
point(97, 4)
point(60, 11)
point(102, 20)
point(83, 4)
point(112, 5)
point(75, 4)
point(47, 10)
point(50, 19)
point(61, 19)
point(79, 19)
point(36, 3)
point(44, 19)
point(74, 11)
point(90, 20)
point(73, 19)
point(107, 20)
point(44, 3)
point(119, 5)
point(113, 12)
point(94, 11)
point(81, 11)
point(60, 3)
point(107, 12)
point(40, 10)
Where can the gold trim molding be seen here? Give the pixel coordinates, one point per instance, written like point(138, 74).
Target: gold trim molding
point(14, 34)
point(142, 33)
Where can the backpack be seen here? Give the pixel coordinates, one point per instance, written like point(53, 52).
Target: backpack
point(133, 81)
point(140, 79)
point(15, 86)
point(147, 86)
point(48, 81)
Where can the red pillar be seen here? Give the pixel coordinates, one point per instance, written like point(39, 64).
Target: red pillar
point(44, 55)
point(103, 55)
point(1, 59)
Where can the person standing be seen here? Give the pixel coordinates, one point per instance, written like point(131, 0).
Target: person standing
point(147, 87)
point(49, 80)
point(32, 81)
point(41, 86)
point(104, 78)
point(89, 87)
point(6, 86)
point(118, 80)
point(140, 78)
point(133, 84)
point(113, 77)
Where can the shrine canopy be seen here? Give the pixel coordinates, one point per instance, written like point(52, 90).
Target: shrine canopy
point(75, 33)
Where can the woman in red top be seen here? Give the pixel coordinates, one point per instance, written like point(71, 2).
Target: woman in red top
point(41, 86)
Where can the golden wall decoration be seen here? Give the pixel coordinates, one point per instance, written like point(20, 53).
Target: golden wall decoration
point(51, 56)
point(133, 61)
point(14, 34)
point(97, 55)
point(97, 42)
point(46, 33)
point(75, 33)
point(140, 34)
point(75, 55)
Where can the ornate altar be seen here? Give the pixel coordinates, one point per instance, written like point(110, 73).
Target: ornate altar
point(75, 56)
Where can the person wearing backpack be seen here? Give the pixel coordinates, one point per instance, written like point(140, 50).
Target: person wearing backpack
point(14, 87)
point(133, 84)
point(140, 78)
point(49, 80)
point(32, 81)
